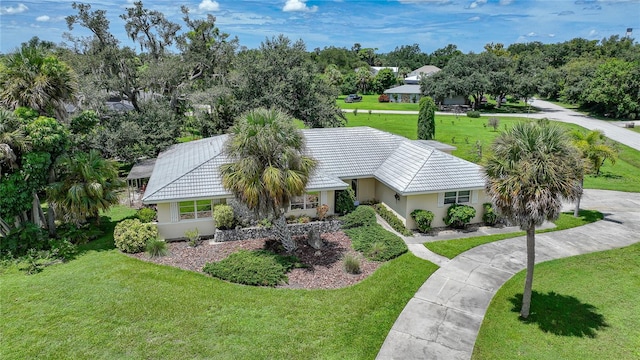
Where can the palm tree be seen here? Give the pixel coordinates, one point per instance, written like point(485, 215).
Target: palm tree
point(88, 184)
point(595, 151)
point(532, 169)
point(30, 77)
point(269, 166)
point(12, 141)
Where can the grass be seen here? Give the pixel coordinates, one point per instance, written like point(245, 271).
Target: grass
point(370, 102)
point(453, 248)
point(583, 307)
point(107, 305)
point(464, 132)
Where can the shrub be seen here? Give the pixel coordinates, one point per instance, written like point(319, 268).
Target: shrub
point(266, 223)
point(384, 98)
point(303, 219)
point(490, 216)
point(193, 237)
point(146, 215)
point(321, 211)
point(423, 219)
point(473, 114)
point(351, 264)
point(459, 215)
point(376, 243)
point(79, 234)
point(223, 216)
point(262, 268)
point(362, 216)
point(392, 219)
point(19, 241)
point(494, 122)
point(156, 248)
point(345, 201)
point(131, 235)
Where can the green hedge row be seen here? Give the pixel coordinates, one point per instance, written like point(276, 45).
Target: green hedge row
point(392, 219)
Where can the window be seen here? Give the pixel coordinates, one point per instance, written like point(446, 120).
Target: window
point(305, 202)
point(198, 209)
point(457, 197)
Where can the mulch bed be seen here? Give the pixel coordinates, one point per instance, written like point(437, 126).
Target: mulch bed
point(325, 266)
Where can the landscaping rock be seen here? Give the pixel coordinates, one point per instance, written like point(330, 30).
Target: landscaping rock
point(313, 239)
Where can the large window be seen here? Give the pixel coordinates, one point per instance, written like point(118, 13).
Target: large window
point(457, 197)
point(198, 209)
point(305, 202)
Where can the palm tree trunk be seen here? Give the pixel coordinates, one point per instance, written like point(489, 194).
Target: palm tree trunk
point(531, 261)
point(51, 217)
point(283, 234)
point(576, 212)
point(4, 228)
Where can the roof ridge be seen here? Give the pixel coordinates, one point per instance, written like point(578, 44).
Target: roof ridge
point(423, 163)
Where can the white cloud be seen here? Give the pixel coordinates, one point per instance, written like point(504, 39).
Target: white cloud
point(438, 2)
point(505, 2)
point(208, 5)
point(43, 18)
point(8, 10)
point(298, 5)
point(531, 34)
point(552, 35)
point(475, 18)
point(477, 3)
point(593, 33)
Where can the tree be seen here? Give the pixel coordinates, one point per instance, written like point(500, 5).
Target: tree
point(150, 29)
point(532, 169)
point(280, 74)
point(87, 185)
point(427, 119)
point(407, 56)
point(442, 56)
point(33, 78)
point(12, 141)
point(269, 166)
point(595, 150)
point(386, 78)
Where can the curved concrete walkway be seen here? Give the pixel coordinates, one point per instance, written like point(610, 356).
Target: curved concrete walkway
point(443, 318)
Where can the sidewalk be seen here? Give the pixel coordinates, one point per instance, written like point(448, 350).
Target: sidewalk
point(443, 318)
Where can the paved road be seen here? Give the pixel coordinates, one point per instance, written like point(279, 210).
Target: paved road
point(443, 318)
point(611, 129)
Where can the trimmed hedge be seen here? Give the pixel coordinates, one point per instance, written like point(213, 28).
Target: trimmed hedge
point(423, 219)
point(473, 114)
point(362, 216)
point(223, 216)
point(345, 201)
point(376, 243)
point(458, 216)
point(146, 215)
point(392, 219)
point(259, 268)
point(490, 216)
point(131, 235)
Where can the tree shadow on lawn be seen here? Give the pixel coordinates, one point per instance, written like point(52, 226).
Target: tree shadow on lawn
point(561, 315)
point(104, 242)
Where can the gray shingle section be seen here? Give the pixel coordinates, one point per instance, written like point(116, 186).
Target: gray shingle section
point(321, 181)
point(404, 89)
point(418, 168)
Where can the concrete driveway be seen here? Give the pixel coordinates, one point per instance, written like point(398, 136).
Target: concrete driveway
point(442, 320)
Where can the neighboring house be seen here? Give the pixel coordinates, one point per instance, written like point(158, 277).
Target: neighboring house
point(376, 69)
point(412, 94)
point(402, 174)
point(413, 78)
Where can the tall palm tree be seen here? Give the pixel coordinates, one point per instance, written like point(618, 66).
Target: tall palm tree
point(88, 184)
point(532, 169)
point(269, 165)
point(33, 78)
point(595, 151)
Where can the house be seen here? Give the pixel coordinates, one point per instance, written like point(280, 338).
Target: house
point(402, 174)
point(412, 94)
point(376, 69)
point(413, 78)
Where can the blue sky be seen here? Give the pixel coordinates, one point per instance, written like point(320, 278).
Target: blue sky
point(381, 24)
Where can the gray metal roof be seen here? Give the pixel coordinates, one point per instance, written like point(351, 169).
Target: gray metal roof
point(415, 167)
point(142, 169)
point(191, 170)
point(404, 89)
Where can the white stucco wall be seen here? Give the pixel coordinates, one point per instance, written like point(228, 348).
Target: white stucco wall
point(169, 230)
point(366, 189)
point(430, 202)
point(387, 196)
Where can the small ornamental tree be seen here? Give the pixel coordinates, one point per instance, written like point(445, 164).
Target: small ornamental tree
point(426, 119)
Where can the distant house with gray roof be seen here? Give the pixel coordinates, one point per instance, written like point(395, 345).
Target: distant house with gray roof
point(410, 91)
point(402, 174)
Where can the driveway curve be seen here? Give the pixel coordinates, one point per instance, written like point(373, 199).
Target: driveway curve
point(443, 318)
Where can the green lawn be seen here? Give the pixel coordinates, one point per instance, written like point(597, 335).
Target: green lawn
point(453, 248)
point(370, 102)
point(464, 133)
point(583, 307)
point(107, 305)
